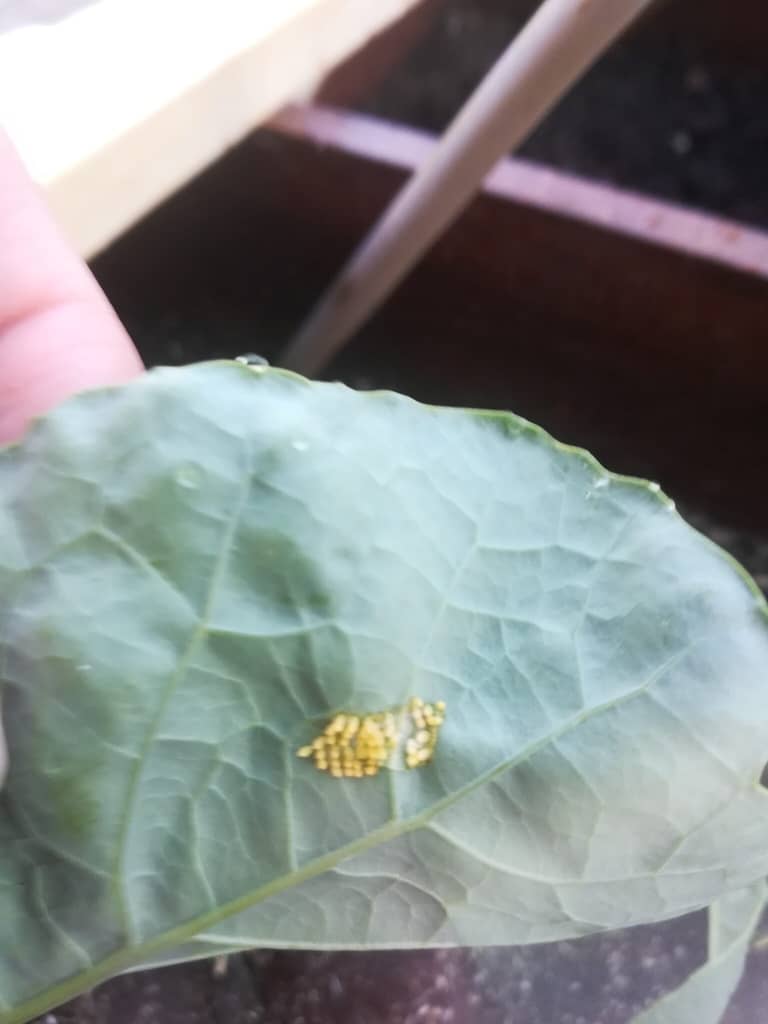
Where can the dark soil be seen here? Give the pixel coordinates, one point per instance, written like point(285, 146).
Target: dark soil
point(601, 980)
point(664, 122)
point(662, 112)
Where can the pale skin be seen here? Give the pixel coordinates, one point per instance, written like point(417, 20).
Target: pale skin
point(58, 333)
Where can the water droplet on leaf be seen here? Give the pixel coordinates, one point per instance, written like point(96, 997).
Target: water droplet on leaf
point(189, 477)
point(253, 361)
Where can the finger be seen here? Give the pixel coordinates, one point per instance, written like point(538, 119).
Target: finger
point(58, 333)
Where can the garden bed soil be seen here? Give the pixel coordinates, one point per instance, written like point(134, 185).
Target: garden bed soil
point(669, 111)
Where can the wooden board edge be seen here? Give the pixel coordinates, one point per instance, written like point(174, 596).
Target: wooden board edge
point(111, 189)
point(698, 234)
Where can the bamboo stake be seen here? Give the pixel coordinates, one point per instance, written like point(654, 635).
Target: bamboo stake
point(559, 43)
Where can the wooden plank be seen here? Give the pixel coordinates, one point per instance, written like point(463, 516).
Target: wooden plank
point(116, 104)
point(520, 181)
point(683, 287)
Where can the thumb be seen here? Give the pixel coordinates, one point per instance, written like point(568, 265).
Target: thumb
point(58, 333)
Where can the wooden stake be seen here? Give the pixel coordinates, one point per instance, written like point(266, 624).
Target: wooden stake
point(552, 51)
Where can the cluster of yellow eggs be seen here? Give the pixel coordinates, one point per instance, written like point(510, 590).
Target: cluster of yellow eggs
point(426, 720)
point(354, 746)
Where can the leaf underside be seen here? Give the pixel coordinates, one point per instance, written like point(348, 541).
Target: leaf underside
point(198, 569)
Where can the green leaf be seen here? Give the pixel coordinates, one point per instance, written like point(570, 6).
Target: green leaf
point(703, 998)
point(199, 569)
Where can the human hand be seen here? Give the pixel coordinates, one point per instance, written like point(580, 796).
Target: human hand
point(58, 333)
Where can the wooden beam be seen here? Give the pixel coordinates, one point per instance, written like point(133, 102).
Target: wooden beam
point(119, 102)
point(677, 228)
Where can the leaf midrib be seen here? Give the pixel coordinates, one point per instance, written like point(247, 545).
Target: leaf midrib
point(174, 681)
point(130, 956)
